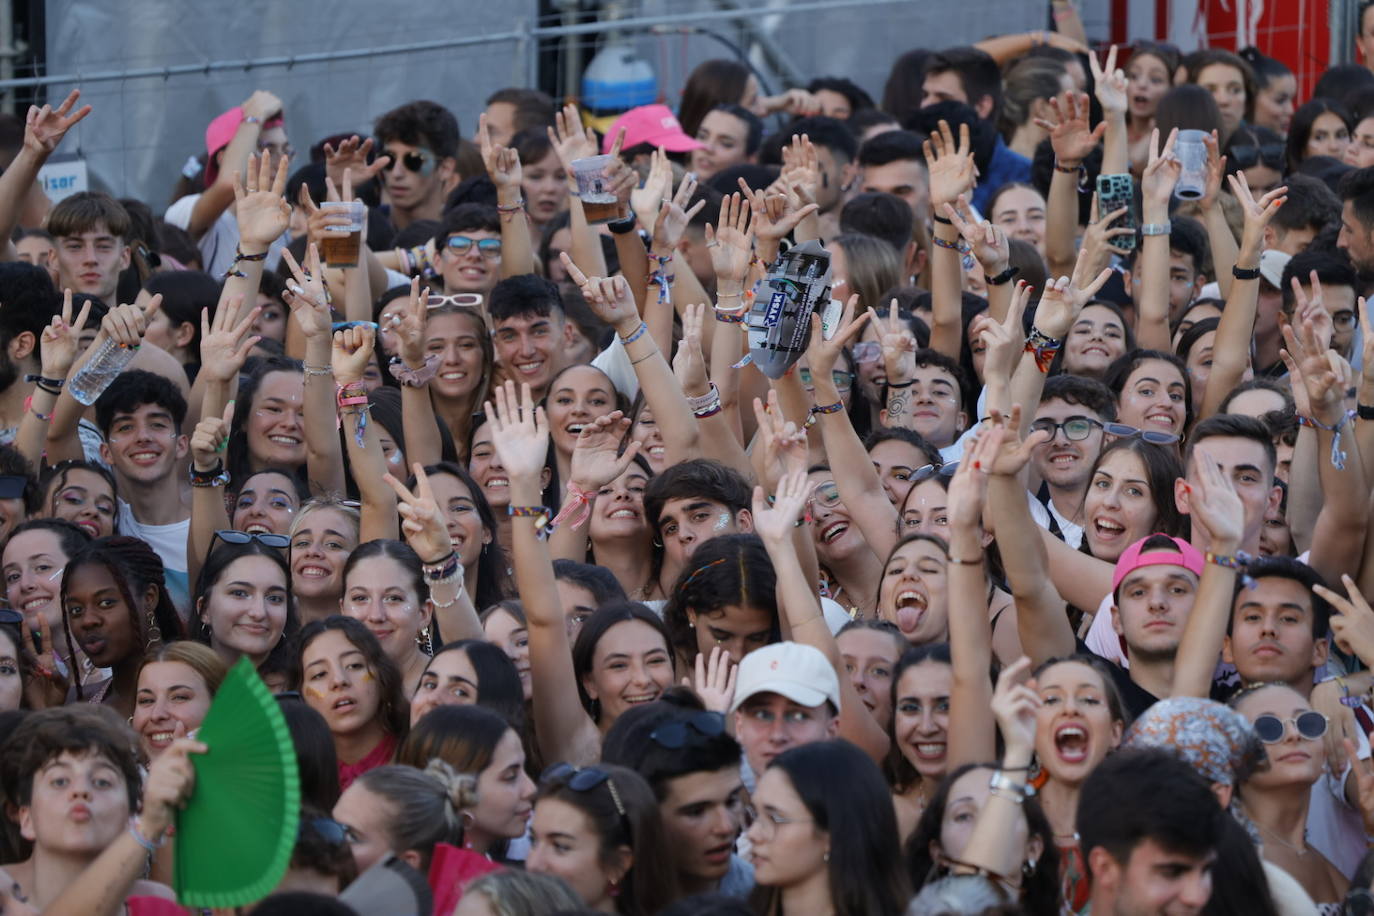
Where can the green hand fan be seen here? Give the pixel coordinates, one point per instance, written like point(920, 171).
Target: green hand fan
point(235, 836)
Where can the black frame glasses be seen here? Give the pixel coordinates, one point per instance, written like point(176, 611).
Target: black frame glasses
point(695, 729)
point(1152, 436)
point(1271, 729)
point(231, 536)
point(1076, 429)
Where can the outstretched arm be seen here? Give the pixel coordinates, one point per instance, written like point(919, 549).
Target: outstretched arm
point(503, 165)
point(311, 314)
point(44, 129)
point(352, 348)
point(951, 174)
point(1072, 139)
point(57, 350)
point(1156, 187)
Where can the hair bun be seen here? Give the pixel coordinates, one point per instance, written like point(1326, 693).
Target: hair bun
point(461, 789)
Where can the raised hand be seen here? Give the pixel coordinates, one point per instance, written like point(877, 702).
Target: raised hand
point(126, 324)
point(1071, 136)
point(774, 524)
point(351, 156)
point(796, 102)
point(1109, 83)
point(609, 298)
point(1352, 620)
point(227, 339)
point(1013, 453)
point(822, 354)
point(351, 353)
point(46, 688)
point(45, 127)
point(422, 522)
point(306, 295)
point(519, 433)
point(1014, 703)
point(1213, 504)
point(1064, 298)
point(775, 217)
point(1098, 237)
point(672, 218)
point(801, 167)
point(262, 105)
point(968, 489)
point(210, 438)
point(60, 339)
point(260, 209)
point(409, 327)
point(689, 362)
point(1216, 169)
point(570, 139)
point(1003, 341)
point(783, 446)
point(898, 344)
point(987, 241)
point(1161, 174)
point(502, 162)
point(731, 244)
point(171, 777)
point(1324, 375)
point(951, 166)
point(715, 680)
point(596, 457)
point(1258, 213)
point(646, 201)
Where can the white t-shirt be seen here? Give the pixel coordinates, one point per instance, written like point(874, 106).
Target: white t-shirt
point(170, 543)
point(615, 362)
point(221, 240)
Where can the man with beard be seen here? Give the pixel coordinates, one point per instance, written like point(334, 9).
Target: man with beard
point(1072, 410)
point(1357, 219)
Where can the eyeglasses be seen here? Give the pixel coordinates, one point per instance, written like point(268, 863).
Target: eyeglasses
point(827, 494)
point(415, 161)
point(1152, 436)
point(1076, 429)
point(586, 779)
point(488, 248)
point(677, 735)
point(867, 351)
point(243, 537)
point(1344, 320)
point(770, 822)
point(1310, 725)
point(466, 300)
point(1247, 155)
point(841, 378)
point(326, 828)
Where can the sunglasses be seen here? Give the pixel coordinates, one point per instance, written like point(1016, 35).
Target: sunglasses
point(841, 378)
point(867, 351)
point(1076, 429)
point(327, 829)
point(466, 300)
point(414, 161)
point(1152, 436)
point(243, 537)
point(488, 248)
point(1247, 155)
point(1310, 725)
point(927, 471)
point(586, 779)
point(690, 731)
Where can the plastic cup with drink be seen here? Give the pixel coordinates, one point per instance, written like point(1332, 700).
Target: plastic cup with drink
point(599, 202)
point(342, 244)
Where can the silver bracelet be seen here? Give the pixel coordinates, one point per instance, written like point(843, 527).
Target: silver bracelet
point(1163, 228)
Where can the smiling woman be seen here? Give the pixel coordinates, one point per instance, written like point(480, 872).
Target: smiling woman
point(268, 428)
point(175, 686)
point(245, 605)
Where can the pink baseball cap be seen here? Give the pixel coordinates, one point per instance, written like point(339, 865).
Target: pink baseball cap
point(221, 131)
point(1137, 556)
point(652, 124)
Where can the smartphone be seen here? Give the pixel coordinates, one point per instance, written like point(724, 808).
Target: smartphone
point(1113, 193)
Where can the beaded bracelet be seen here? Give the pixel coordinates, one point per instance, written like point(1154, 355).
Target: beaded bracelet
point(638, 333)
point(215, 477)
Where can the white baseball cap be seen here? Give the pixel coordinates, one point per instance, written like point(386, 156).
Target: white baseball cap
point(1271, 266)
point(799, 672)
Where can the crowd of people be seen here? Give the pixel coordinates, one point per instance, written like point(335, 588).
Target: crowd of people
point(1035, 584)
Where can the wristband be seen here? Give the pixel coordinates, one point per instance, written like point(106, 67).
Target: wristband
point(217, 476)
point(638, 333)
point(942, 219)
point(1237, 561)
point(148, 845)
point(700, 401)
point(511, 208)
point(1152, 229)
point(317, 370)
point(818, 409)
point(578, 508)
point(1338, 454)
point(978, 561)
point(47, 383)
point(540, 514)
point(907, 384)
point(1245, 273)
point(623, 226)
point(1067, 169)
point(1004, 277)
point(728, 318)
point(1043, 347)
point(440, 569)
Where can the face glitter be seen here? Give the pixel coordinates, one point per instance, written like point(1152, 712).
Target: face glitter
point(723, 521)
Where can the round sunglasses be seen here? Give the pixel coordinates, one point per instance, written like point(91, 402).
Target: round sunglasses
point(1270, 728)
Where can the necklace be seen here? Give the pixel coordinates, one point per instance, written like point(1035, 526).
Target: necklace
point(1304, 850)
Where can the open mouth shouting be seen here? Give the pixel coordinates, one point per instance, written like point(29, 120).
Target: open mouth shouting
point(1071, 742)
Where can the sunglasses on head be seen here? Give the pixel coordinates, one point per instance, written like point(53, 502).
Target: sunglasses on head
point(692, 730)
point(927, 471)
point(243, 537)
point(1248, 155)
point(488, 248)
point(585, 779)
point(466, 300)
point(1076, 429)
point(1310, 725)
point(1152, 436)
point(327, 829)
point(414, 161)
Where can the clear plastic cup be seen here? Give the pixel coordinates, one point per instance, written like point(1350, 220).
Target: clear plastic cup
point(1192, 154)
point(598, 200)
point(341, 244)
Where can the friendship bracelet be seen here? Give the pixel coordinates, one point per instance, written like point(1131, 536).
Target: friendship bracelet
point(215, 477)
point(638, 333)
point(1067, 169)
point(1338, 454)
point(578, 508)
point(148, 845)
point(704, 400)
point(1238, 561)
point(729, 318)
point(945, 243)
point(818, 409)
point(540, 514)
point(317, 370)
point(511, 208)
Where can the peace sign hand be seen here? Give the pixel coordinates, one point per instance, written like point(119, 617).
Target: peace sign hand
point(822, 354)
point(422, 523)
point(898, 345)
point(48, 688)
point(58, 343)
point(1109, 83)
point(409, 326)
point(673, 219)
point(306, 294)
point(1003, 340)
point(45, 127)
point(988, 242)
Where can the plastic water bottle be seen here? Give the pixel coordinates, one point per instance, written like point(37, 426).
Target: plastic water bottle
point(100, 370)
